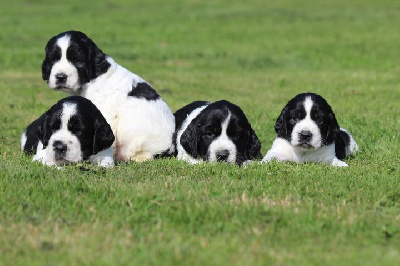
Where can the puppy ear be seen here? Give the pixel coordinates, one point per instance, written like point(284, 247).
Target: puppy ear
point(98, 61)
point(253, 146)
point(46, 66)
point(280, 124)
point(189, 139)
point(103, 135)
point(333, 128)
point(44, 130)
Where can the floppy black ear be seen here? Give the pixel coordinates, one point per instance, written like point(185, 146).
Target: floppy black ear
point(280, 124)
point(253, 146)
point(98, 61)
point(103, 135)
point(44, 130)
point(333, 128)
point(189, 139)
point(46, 66)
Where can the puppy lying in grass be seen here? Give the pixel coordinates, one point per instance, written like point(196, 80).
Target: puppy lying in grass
point(214, 132)
point(71, 131)
point(308, 132)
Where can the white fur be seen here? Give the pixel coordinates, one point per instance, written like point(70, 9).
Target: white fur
point(142, 128)
point(65, 67)
point(182, 154)
point(222, 142)
point(23, 140)
point(307, 124)
point(103, 158)
point(283, 150)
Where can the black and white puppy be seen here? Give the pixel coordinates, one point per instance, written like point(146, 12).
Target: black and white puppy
point(213, 132)
point(308, 132)
point(142, 122)
point(71, 131)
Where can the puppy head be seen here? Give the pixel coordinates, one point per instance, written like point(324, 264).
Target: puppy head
point(73, 130)
point(221, 132)
point(307, 122)
point(72, 60)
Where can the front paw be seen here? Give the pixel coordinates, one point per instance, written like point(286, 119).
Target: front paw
point(339, 163)
point(109, 162)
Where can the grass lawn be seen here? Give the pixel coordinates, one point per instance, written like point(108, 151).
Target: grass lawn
point(257, 54)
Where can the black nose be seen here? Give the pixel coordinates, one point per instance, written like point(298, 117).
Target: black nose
point(59, 147)
point(61, 78)
point(222, 155)
point(305, 135)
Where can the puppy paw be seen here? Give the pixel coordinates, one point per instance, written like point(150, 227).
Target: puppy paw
point(339, 163)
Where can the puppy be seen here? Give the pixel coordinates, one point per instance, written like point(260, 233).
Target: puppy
point(142, 122)
point(213, 132)
point(71, 131)
point(308, 132)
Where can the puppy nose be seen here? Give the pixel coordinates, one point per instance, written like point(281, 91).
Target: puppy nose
point(222, 155)
point(59, 147)
point(305, 135)
point(61, 77)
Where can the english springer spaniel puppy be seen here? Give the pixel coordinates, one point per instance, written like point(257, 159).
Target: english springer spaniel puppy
point(71, 131)
point(142, 122)
point(214, 132)
point(308, 132)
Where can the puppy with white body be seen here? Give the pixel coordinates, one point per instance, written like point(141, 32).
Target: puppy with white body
point(142, 122)
point(71, 131)
point(307, 131)
point(213, 132)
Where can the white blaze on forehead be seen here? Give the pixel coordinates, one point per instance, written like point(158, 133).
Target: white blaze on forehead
point(73, 153)
point(63, 66)
point(308, 103)
point(63, 43)
point(307, 124)
point(224, 126)
point(223, 143)
point(69, 109)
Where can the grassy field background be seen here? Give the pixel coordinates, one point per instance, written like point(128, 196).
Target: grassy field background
point(257, 54)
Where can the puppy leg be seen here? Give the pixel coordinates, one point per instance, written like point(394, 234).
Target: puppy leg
point(339, 163)
point(103, 158)
point(131, 153)
point(271, 156)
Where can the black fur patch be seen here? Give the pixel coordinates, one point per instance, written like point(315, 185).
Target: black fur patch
point(144, 90)
point(32, 138)
point(183, 113)
point(342, 141)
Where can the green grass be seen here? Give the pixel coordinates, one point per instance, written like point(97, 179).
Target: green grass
point(258, 54)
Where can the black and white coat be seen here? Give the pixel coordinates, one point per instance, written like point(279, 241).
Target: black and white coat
point(307, 131)
point(213, 132)
point(142, 122)
point(71, 131)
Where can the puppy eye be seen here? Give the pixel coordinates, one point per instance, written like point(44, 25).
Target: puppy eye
point(293, 120)
point(320, 121)
point(80, 64)
point(208, 136)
